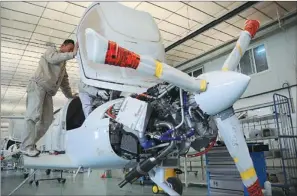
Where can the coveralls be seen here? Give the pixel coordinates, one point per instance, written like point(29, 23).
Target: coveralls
point(49, 77)
point(87, 94)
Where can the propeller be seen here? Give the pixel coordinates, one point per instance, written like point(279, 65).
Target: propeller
point(229, 125)
point(250, 29)
point(103, 51)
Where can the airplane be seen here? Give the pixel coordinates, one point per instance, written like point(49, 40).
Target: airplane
point(166, 113)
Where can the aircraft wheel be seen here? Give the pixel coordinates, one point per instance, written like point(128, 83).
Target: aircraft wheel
point(37, 183)
point(176, 184)
point(155, 189)
point(48, 172)
point(30, 182)
point(63, 181)
point(59, 180)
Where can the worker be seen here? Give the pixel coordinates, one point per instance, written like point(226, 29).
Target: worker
point(48, 78)
point(88, 94)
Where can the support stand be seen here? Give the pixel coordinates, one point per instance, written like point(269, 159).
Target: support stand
point(89, 172)
point(60, 179)
point(77, 171)
point(22, 183)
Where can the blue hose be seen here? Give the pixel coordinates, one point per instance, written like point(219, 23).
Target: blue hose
point(145, 143)
point(165, 137)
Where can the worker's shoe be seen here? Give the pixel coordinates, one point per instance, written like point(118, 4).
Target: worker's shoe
point(30, 152)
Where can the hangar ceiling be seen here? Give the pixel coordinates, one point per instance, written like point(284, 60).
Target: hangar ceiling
point(26, 27)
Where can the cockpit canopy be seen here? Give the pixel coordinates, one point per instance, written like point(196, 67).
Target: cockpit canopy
point(129, 28)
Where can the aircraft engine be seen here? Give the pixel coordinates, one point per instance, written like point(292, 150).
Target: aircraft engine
point(143, 125)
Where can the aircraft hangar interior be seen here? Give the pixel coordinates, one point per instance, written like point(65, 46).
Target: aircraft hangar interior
point(149, 98)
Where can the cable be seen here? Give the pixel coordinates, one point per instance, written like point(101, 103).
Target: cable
point(109, 113)
point(204, 151)
point(142, 95)
point(182, 108)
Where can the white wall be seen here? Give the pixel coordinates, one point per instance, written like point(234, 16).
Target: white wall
point(281, 50)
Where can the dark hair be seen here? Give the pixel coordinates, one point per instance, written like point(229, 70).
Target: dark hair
point(68, 41)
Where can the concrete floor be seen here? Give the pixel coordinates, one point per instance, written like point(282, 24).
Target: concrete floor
point(82, 185)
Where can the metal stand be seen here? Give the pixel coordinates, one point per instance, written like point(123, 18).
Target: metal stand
point(276, 129)
point(22, 183)
point(287, 137)
point(77, 171)
point(60, 179)
point(89, 171)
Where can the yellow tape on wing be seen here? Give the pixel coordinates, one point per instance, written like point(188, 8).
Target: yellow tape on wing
point(159, 69)
point(235, 160)
point(248, 174)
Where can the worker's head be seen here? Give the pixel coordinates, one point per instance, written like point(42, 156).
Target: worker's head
point(67, 46)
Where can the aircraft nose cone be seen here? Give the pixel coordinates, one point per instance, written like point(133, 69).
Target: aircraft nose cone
point(223, 90)
point(240, 82)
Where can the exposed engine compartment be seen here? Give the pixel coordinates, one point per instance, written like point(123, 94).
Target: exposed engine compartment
point(166, 114)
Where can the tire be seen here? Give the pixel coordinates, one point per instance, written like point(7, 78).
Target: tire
point(155, 189)
point(59, 180)
point(176, 184)
point(37, 183)
point(31, 182)
point(63, 181)
point(48, 172)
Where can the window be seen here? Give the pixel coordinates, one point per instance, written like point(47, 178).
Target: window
point(254, 61)
point(197, 72)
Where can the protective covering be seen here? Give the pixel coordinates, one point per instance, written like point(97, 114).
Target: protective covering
point(132, 29)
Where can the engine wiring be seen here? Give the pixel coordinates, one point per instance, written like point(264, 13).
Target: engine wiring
point(112, 116)
point(207, 149)
point(144, 96)
point(109, 113)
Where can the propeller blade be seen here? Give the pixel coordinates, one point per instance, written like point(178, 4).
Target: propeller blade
point(250, 29)
point(103, 51)
point(230, 130)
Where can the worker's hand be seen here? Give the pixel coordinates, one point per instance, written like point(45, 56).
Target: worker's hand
point(75, 49)
point(103, 94)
